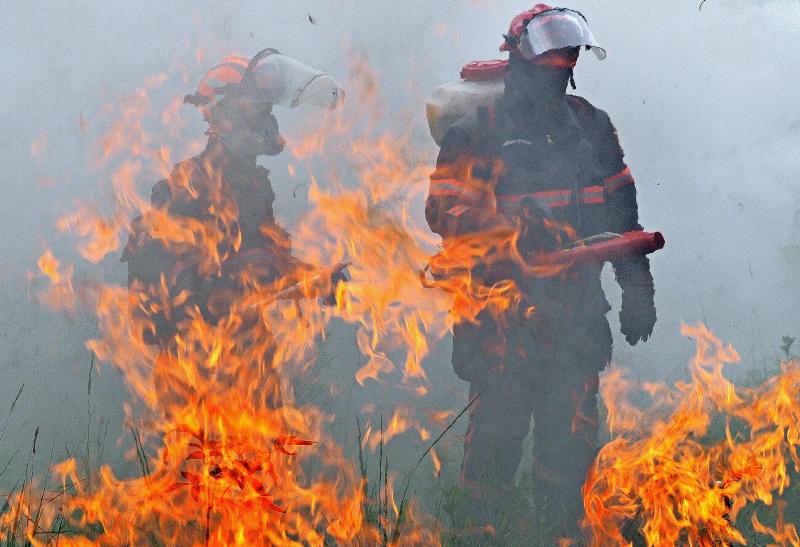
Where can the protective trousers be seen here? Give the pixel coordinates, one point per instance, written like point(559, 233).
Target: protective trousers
point(558, 388)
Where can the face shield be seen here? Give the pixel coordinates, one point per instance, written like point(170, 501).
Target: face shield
point(557, 29)
point(284, 81)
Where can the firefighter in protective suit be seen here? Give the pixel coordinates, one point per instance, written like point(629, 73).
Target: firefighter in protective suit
point(538, 153)
point(222, 196)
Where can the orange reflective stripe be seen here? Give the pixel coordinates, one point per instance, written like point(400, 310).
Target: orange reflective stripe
point(624, 173)
point(452, 187)
point(613, 183)
point(457, 211)
point(554, 198)
point(592, 195)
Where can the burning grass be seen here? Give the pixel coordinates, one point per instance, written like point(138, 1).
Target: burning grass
point(667, 477)
point(229, 456)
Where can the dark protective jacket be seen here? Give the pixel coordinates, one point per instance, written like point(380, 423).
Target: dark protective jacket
point(563, 158)
point(219, 191)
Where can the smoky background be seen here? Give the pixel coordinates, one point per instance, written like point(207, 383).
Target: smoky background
point(702, 99)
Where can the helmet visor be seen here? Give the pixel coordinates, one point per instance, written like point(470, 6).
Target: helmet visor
point(287, 82)
point(557, 29)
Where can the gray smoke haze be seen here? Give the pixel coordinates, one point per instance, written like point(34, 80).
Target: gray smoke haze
point(703, 101)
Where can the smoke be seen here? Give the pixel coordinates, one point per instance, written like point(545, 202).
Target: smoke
point(702, 100)
point(708, 123)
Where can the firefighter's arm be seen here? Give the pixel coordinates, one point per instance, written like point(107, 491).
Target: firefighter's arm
point(148, 262)
point(638, 314)
point(147, 257)
point(455, 203)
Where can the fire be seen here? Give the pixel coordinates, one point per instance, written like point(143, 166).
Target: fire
point(49, 266)
point(227, 455)
point(230, 457)
point(60, 293)
point(663, 472)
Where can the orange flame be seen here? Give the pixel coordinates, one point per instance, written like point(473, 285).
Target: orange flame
point(663, 475)
point(230, 457)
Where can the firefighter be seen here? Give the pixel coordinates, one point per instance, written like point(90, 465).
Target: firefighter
point(222, 197)
point(538, 157)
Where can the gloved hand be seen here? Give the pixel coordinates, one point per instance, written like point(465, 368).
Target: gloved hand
point(638, 315)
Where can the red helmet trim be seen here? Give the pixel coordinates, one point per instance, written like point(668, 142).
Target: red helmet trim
point(518, 23)
point(229, 72)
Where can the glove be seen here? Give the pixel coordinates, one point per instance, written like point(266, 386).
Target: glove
point(638, 315)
